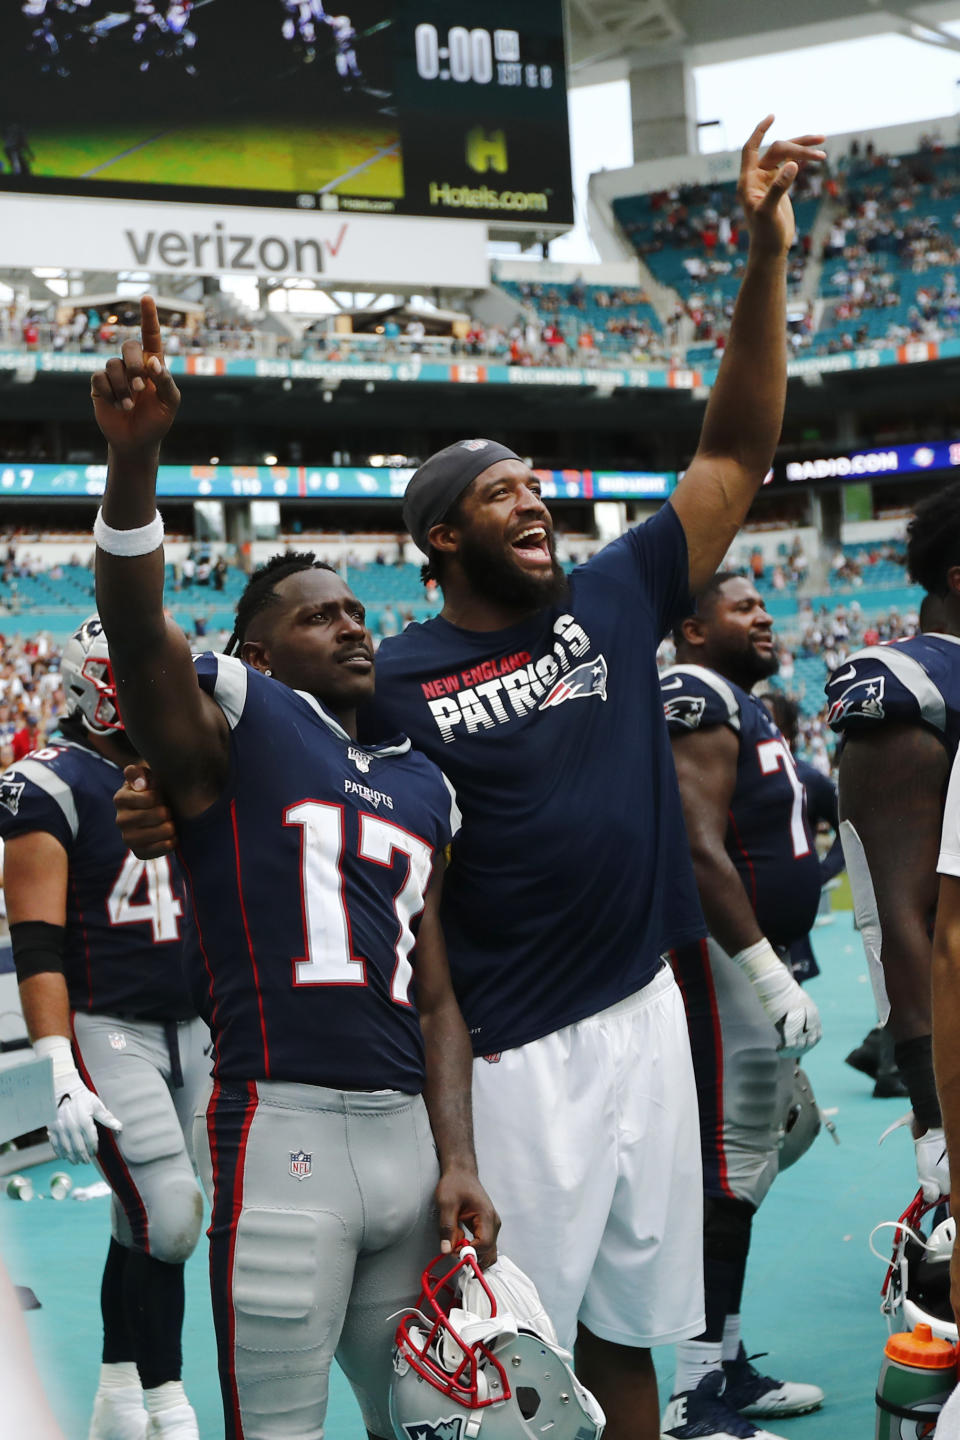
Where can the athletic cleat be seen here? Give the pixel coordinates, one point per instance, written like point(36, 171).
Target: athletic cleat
point(705, 1414)
point(118, 1415)
point(866, 1056)
point(759, 1395)
point(177, 1423)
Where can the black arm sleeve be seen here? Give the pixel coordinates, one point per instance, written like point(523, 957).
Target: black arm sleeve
point(37, 948)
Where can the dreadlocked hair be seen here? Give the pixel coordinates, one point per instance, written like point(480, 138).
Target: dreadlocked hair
point(260, 592)
point(933, 540)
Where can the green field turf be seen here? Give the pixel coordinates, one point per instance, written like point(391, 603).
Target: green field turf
point(234, 157)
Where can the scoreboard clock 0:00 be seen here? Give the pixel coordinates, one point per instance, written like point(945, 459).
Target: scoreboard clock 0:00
point(481, 90)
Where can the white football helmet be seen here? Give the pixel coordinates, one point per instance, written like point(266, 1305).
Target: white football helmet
point(88, 682)
point(460, 1373)
point(802, 1122)
point(917, 1287)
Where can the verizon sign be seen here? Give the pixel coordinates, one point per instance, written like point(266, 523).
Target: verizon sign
point(348, 250)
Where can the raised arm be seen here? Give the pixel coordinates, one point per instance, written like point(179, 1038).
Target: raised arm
point(461, 1199)
point(743, 420)
point(172, 723)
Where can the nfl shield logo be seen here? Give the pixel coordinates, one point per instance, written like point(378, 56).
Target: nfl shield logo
point(301, 1164)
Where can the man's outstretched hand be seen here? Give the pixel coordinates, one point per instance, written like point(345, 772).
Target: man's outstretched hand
point(134, 397)
point(764, 186)
point(145, 822)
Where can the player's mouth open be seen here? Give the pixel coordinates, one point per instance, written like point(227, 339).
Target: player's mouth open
point(533, 546)
point(358, 660)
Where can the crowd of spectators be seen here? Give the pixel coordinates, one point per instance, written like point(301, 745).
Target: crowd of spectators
point(58, 328)
point(31, 696)
point(550, 333)
point(898, 218)
point(853, 567)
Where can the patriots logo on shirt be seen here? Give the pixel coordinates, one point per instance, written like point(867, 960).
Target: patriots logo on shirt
point(865, 698)
point(10, 793)
point(449, 1429)
point(586, 680)
point(685, 710)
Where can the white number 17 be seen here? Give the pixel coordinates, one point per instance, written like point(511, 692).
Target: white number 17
point(330, 959)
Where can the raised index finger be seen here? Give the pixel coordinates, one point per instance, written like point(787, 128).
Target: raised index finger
point(150, 327)
point(753, 144)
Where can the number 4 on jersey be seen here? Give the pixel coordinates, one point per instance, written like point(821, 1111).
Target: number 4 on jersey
point(158, 906)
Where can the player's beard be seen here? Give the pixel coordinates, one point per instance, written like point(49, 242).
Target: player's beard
point(761, 667)
point(494, 576)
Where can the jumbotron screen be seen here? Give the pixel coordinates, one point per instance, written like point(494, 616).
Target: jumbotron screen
point(411, 107)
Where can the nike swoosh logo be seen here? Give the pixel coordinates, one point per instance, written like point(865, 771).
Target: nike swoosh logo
point(674, 684)
point(847, 675)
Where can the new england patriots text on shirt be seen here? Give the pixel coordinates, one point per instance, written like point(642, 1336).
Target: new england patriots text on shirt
point(495, 692)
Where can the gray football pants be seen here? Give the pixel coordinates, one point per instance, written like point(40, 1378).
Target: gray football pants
point(157, 1206)
point(323, 1222)
point(744, 1083)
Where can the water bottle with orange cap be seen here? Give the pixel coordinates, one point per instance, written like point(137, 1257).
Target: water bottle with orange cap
point(917, 1375)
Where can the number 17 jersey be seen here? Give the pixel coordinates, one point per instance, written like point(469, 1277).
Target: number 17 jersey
point(308, 878)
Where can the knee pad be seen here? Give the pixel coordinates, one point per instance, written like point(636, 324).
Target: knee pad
point(726, 1227)
point(174, 1216)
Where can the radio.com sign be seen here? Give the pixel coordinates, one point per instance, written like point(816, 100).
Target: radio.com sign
point(895, 460)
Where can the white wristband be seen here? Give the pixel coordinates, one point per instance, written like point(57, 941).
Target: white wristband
point(128, 543)
point(758, 959)
point(58, 1049)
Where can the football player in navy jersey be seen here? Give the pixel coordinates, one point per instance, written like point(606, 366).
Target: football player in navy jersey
point(897, 707)
point(314, 865)
point(821, 799)
point(98, 937)
point(759, 881)
point(571, 875)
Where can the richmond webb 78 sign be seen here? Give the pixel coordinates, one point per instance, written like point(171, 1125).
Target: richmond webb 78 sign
point(454, 108)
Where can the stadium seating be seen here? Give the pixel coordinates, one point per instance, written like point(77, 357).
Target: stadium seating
point(613, 323)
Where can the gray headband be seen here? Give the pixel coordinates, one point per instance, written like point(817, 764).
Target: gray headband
point(442, 479)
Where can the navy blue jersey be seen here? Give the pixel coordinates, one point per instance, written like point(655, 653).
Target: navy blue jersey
point(572, 873)
point(308, 877)
point(768, 835)
point(822, 806)
point(127, 919)
point(913, 682)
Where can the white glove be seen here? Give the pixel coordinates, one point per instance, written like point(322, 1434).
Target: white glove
point(73, 1134)
point(792, 1012)
point(933, 1170)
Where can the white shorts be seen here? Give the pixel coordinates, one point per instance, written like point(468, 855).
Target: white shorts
point(588, 1144)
